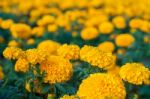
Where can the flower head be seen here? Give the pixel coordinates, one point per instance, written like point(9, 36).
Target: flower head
point(13, 53)
point(69, 51)
point(106, 46)
point(102, 86)
point(49, 46)
point(96, 57)
point(22, 65)
point(124, 40)
point(57, 69)
point(134, 73)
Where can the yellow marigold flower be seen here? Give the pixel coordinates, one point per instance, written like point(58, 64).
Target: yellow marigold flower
point(30, 41)
point(102, 86)
point(107, 46)
point(20, 30)
point(145, 26)
point(35, 56)
point(96, 57)
point(52, 28)
point(22, 65)
point(106, 28)
point(119, 22)
point(69, 51)
point(6, 24)
point(13, 43)
point(1, 73)
point(49, 46)
point(57, 69)
point(134, 73)
point(47, 19)
point(69, 97)
point(89, 33)
point(135, 23)
point(124, 40)
point(13, 53)
point(38, 31)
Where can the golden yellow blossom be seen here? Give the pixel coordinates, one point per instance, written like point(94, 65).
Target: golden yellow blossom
point(49, 46)
point(38, 31)
point(134, 73)
point(102, 86)
point(124, 40)
point(69, 51)
point(35, 56)
point(89, 33)
point(6, 24)
point(107, 46)
point(13, 43)
point(57, 69)
point(119, 22)
point(22, 65)
point(106, 28)
point(135, 23)
point(47, 19)
point(20, 30)
point(52, 28)
point(30, 41)
point(13, 53)
point(96, 57)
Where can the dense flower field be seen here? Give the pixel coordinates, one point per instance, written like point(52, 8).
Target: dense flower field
point(74, 49)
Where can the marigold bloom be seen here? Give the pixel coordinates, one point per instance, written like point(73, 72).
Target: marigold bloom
point(35, 56)
point(38, 31)
point(106, 46)
point(47, 19)
point(124, 40)
point(22, 65)
point(20, 30)
point(13, 53)
point(119, 22)
point(134, 73)
point(106, 28)
point(57, 69)
point(30, 41)
point(89, 33)
point(6, 24)
point(13, 43)
point(135, 23)
point(102, 86)
point(96, 57)
point(52, 28)
point(69, 51)
point(49, 46)
point(69, 97)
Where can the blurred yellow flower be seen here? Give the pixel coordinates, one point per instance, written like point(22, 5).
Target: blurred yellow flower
point(13, 43)
point(1, 73)
point(49, 46)
point(89, 33)
point(38, 31)
point(124, 40)
point(107, 46)
point(30, 41)
point(6, 24)
point(20, 30)
point(52, 28)
point(69, 97)
point(106, 28)
point(119, 22)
